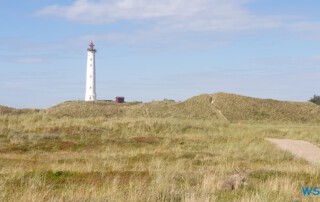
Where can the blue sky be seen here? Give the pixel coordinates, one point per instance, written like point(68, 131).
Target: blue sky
point(156, 49)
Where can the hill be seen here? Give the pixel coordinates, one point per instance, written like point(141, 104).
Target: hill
point(6, 110)
point(219, 106)
point(157, 151)
point(198, 107)
point(12, 111)
point(81, 109)
point(237, 108)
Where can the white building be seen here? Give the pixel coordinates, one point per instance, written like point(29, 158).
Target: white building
point(91, 74)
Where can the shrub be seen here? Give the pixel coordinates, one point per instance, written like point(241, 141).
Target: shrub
point(315, 99)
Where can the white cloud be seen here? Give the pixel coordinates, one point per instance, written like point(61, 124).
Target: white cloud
point(177, 15)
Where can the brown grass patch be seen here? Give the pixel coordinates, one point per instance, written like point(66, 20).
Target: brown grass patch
point(146, 140)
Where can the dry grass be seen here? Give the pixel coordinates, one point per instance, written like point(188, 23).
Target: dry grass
point(220, 106)
point(238, 108)
point(149, 156)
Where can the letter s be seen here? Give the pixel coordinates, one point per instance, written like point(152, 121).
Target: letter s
point(316, 191)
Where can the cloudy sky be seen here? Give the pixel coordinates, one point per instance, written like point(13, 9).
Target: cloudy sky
point(156, 49)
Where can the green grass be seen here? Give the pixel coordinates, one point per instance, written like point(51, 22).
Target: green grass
point(146, 153)
point(218, 107)
point(149, 159)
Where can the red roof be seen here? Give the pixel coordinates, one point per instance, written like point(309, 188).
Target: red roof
point(91, 44)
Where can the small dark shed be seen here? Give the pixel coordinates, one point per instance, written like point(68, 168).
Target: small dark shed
point(119, 99)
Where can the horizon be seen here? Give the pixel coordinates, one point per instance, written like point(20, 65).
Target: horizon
point(165, 99)
point(163, 49)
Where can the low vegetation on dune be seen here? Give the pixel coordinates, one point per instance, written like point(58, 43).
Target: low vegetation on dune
point(208, 148)
point(315, 99)
point(81, 109)
point(237, 108)
point(220, 106)
point(11, 111)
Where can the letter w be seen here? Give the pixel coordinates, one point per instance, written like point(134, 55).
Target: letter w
point(306, 190)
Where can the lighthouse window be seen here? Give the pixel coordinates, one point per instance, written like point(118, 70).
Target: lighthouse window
point(90, 65)
point(91, 59)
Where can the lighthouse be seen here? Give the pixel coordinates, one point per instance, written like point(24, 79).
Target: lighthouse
point(91, 74)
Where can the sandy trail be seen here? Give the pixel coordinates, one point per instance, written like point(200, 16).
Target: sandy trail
point(300, 148)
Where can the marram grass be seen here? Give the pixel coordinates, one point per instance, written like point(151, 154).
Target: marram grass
point(148, 154)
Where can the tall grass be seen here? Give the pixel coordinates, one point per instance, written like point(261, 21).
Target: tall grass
point(58, 158)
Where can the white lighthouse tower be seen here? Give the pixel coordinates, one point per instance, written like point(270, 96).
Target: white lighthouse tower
point(91, 74)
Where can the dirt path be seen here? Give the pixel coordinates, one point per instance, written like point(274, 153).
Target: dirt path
point(300, 148)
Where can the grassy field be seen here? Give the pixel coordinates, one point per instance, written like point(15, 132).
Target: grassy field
point(47, 155)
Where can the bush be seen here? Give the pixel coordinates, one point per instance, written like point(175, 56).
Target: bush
point(315, 99)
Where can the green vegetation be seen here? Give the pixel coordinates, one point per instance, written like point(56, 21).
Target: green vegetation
point(220, 107)
point(159, 151)
point(315, 99)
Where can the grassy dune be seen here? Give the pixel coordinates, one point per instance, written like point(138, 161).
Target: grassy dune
point(162, 151)
point(220, 106)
